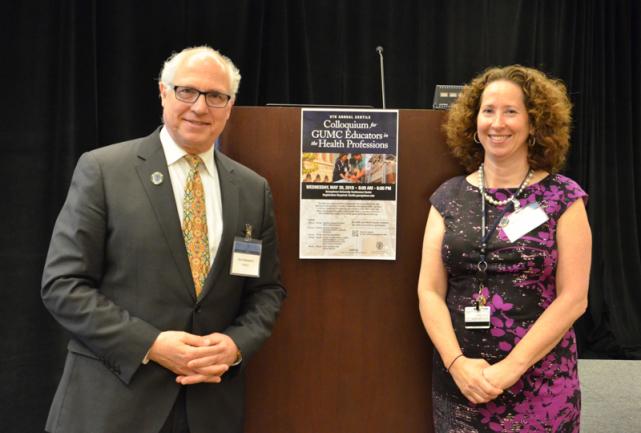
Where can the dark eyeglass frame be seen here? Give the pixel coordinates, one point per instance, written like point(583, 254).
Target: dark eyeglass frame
point(213, 94)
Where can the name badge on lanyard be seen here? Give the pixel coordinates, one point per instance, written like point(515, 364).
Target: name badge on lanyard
point(246, 254)
point(477, 317)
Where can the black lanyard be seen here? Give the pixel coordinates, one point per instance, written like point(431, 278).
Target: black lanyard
point(485, 237)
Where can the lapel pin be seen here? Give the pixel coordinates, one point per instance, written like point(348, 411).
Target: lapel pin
point(156, 178)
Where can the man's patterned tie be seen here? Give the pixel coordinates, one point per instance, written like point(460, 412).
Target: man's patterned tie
point(195, 224)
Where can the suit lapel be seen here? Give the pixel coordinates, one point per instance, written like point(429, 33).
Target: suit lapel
point(152, 160)
point(230, 204)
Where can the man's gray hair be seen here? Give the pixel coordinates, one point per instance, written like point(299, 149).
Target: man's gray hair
point(170, 67)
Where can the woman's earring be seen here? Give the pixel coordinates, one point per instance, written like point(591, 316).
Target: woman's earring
point(476, 137)
point(532, 142)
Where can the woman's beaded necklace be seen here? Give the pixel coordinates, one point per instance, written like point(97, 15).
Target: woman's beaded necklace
point(512, 198)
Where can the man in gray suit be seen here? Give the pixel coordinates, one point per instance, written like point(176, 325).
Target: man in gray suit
point(154, 348)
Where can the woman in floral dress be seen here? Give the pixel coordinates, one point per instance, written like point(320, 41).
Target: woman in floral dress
point(506, 262)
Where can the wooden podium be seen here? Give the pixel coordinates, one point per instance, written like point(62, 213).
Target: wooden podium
point(349, 353)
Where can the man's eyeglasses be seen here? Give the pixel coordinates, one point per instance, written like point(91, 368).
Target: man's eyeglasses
point(190, 95)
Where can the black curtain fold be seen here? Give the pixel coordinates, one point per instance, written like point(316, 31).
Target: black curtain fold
point(82, 74)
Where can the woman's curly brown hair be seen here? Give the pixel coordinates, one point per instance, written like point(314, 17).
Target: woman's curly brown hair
point(549, 112)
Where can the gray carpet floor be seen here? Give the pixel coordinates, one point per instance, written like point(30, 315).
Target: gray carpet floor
point(610, 396)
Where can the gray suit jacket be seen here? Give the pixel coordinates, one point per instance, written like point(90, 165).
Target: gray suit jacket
point(117, 274)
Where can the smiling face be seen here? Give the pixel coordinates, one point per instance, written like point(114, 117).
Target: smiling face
point(502, 122)
point(195, 127)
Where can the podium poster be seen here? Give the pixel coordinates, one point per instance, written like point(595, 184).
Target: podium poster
point(348, 174)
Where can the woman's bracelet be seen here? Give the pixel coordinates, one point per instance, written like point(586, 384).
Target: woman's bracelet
point(447, 370)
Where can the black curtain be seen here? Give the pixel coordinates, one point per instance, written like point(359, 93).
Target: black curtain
point(81, 74)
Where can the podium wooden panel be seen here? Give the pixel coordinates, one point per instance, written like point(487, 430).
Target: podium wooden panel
point(349, 353)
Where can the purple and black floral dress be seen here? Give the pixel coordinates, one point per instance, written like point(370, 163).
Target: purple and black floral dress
point(521, 285)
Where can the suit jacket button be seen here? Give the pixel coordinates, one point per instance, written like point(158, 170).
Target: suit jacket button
point(197, 309)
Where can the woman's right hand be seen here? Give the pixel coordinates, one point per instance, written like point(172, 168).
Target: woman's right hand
point(468, 375)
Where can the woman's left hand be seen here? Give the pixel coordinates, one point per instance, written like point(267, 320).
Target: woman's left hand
point(502, 374)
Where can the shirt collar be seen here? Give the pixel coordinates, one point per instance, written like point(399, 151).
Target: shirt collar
point(174, 153)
